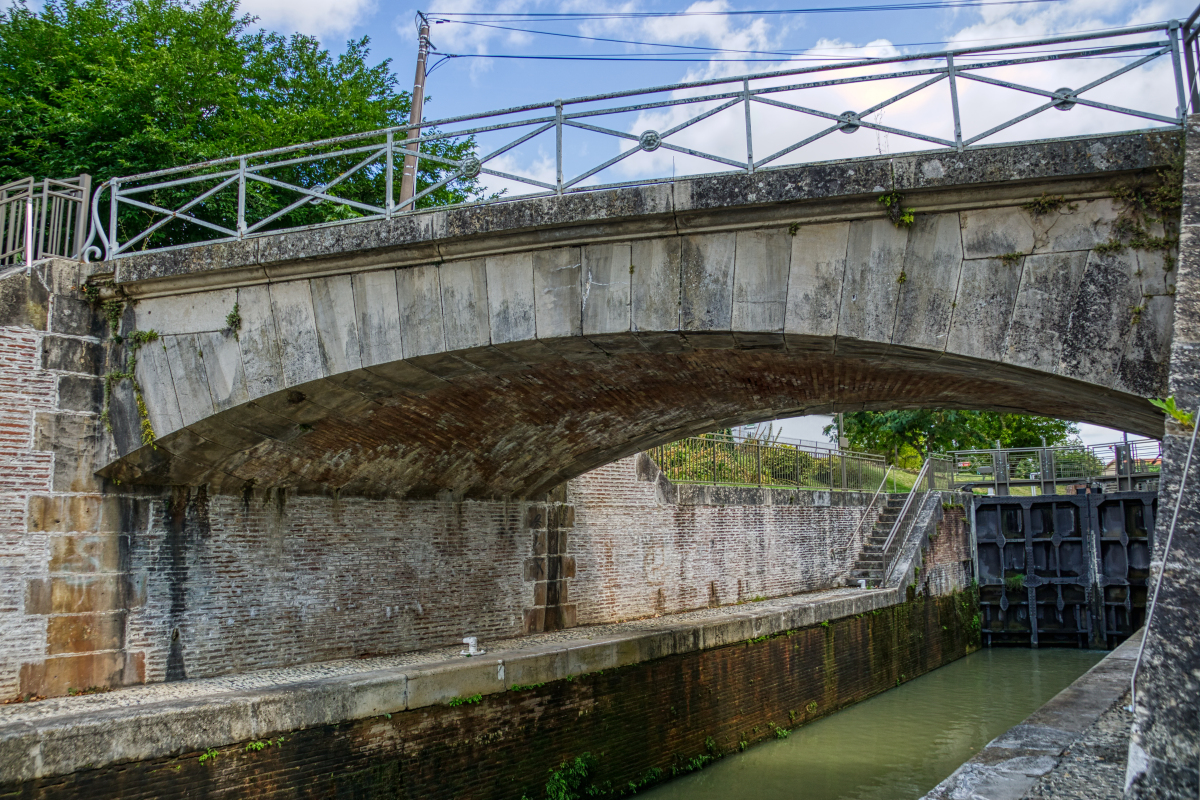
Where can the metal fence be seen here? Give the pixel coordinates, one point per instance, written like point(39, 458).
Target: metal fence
point(732, 461)
point(352, 177)
point(41, 219)
point(1117, 466)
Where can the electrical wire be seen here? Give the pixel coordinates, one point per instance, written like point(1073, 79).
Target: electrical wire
point(1187, 464)
point(668, 60)
point(582, 16)
point(700, 48)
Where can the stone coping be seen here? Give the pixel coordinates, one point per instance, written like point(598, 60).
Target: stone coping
point(1012, 763)
point(64, 735)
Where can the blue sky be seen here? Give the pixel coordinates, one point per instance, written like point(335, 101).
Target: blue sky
point(480, 81)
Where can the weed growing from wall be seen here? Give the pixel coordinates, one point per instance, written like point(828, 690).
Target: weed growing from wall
point(1048, 203)
point(1144, 207)
point(134, 341)
point(233, 321)
point(900, 216)
point(112, 309)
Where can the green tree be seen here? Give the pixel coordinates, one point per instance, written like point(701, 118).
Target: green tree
point(118, 87)
point(900, 433)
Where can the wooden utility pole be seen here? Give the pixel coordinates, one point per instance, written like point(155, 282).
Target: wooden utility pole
point(408, 178)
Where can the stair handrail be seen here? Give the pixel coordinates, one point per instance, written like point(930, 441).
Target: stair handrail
point(904, 516)
point(867, 511)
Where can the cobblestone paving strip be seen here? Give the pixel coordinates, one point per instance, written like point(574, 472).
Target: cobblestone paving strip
point(277, 678)
point(1094, 767)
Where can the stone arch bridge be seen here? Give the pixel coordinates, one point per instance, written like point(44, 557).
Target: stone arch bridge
point(500, 349)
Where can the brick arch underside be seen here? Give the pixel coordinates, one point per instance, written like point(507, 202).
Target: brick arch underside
point(520, 431)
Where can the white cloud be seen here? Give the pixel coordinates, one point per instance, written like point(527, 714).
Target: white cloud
point(314, 17)
point(539, 166)
point(927, 112)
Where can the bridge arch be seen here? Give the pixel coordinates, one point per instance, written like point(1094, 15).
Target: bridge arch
point(502, 349)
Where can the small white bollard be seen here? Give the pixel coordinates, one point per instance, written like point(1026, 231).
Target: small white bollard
point(472, 643)
point(862, 584)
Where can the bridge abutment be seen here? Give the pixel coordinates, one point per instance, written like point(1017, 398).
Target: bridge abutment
point(1164, 753)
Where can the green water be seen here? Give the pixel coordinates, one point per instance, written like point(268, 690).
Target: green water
point(899, 744)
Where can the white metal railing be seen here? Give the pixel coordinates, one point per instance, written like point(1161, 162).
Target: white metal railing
point(1123, 465)
point(353, 176)
point(41, 219)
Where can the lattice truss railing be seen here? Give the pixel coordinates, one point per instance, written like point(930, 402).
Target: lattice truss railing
point(355, 177)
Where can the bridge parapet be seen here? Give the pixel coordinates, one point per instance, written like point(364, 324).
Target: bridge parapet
point(240, 197)
point(500, 350)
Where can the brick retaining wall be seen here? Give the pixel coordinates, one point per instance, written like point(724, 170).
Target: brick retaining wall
point(639, 723)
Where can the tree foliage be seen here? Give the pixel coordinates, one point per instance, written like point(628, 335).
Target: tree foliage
point(119, 87)
point(911, 433)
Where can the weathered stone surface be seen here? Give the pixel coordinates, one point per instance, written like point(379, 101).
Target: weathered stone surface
point(654, 279)
point(262, 353)
point(378, 308)
point(189, 378)
point(198, 312)
point(991, 233)
point(337, 323)
point(818, 265)
point(932, 263)
point(80, 393)
point(557, 293)
point(465, 304)
point(762, 264)
point(706, 292)
point(987, 292)
point(874, 263)
point(24, 301)
point(420, 305)
point(608, 271)
point(71, 355)
point(1106, 303)
point(295, 325)
point(1042, 315)
point(511, 298)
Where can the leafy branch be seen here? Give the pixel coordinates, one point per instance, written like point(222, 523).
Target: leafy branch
point(1185, 418)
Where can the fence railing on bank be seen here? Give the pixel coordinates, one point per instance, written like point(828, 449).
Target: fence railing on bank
point(1116, 466)
point(43, 219)
point(733, 461)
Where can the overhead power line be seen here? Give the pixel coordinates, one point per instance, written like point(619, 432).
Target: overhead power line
point(811, 53)
point(450, 16)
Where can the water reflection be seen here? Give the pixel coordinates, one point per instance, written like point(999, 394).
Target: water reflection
point(899, 744)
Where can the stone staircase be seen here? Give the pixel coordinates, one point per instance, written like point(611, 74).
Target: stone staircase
point(871, 564)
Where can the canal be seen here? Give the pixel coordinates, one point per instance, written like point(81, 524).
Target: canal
point(897, 745)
